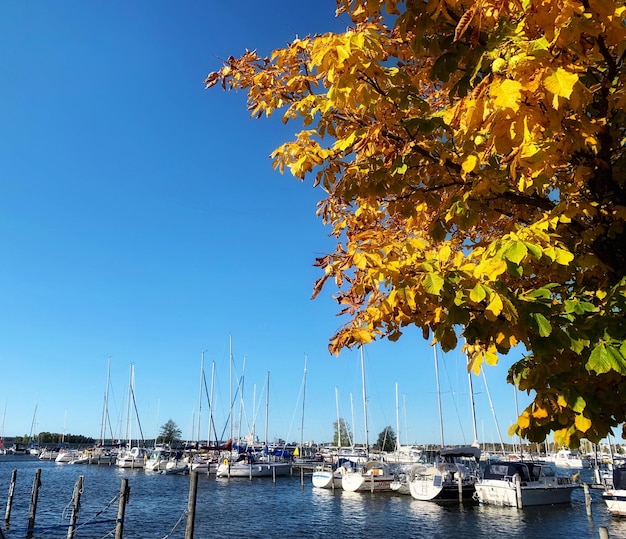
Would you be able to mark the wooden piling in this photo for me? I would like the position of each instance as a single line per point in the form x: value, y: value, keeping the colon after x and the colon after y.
x: 32, y: 511
x: 459, y: 480
x: 191, y: 505
x: 518, y: 491
x: 7, y: 513
x: 78, y: 490
x: 121, y: 509
x: 604, y: 532
x: 587, y: 499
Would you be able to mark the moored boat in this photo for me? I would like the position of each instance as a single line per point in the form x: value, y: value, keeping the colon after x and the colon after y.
x: 521, y: 484
x: 374, y: 476
x: 247, y: 465
x: 615, y: 495
x: 451, y: 475
x: 134, y: 458
x: 327, y: 475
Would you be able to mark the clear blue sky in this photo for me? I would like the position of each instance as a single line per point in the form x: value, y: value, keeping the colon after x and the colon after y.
x: 141, y: 221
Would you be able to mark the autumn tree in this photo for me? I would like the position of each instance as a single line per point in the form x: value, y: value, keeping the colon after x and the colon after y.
x: 471, y: 155
x: 342, y: 436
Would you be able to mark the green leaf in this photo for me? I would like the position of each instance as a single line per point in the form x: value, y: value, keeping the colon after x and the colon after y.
x: 604, y: 359
x: 578, y: 307
x: 516, y: 252
x: 545, y: 328
x: 433, y: 283
x: 478, y: 293
x: 535, y: 250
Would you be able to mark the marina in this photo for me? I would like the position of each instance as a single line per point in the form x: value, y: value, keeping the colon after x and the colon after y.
x: 262, y: 507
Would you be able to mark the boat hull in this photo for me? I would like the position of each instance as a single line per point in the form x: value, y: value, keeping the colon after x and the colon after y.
x: 326, y: 479
x: 256, y: 469
x: 615, y: 500
x: 504, y: 493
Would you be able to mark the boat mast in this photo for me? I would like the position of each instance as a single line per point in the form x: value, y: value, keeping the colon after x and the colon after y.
x: 129, y: 430
x: 337, y: 411
x: 200, y: 396
x: 521, y: 451
x: 105, y: 406
x: 397, y: 422
x: 230, y: 397
x: 34, y: 422
x: 352, y: 441
x: 438, y: 396
x: 473, y: 408
x: 267, y: 409
x: 493, y: 412
x: 367, y: 444
x: 211, y: 407
x: 306, y: 357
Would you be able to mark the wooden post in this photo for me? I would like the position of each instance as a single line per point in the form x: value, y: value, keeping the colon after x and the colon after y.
x: 78, y: 489
x: 7, y: 514
x: 191, y: 505
x: 121, y: 509
x: 587, y: 499
x: 518, y: 491
x: 274, y: 472
x: 372, y: 482
x: 604, y: 532
x: 301, y: 475
x: 32, y: 511
x: 460, y: 485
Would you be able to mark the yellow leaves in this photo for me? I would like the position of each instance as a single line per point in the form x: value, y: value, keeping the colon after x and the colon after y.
x: 470, y: 163
x: 506, y: 95
x: 495, y: 307
x: 582, y: 423
x: 362, y: 335
x: 359, y: 260
x: 490, y: 269
x: 560, y: 83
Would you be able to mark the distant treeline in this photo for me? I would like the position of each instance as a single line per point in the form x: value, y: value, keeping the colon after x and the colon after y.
x: 55, y: 438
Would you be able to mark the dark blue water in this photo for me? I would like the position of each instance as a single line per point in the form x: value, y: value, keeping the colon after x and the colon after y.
x: 263, y: 509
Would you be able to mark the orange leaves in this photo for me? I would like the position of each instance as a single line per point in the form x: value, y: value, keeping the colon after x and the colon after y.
x: 472, y: 166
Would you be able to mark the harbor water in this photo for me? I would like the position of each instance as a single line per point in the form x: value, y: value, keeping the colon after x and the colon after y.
x: 262, y: 508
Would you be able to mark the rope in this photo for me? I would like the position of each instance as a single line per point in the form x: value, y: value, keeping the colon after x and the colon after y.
x: 115, y: 498
x: 182, y: 516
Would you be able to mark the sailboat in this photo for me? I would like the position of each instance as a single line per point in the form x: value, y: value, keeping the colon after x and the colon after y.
x: 330, y: 474
x: 3, y: 450
x: 133, y: 456
x: 449, y: 473
x: 374, y: 476
x: 251, y: 464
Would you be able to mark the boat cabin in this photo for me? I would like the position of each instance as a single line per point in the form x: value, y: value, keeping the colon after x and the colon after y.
x: 527, y: 471
x: 619, y: 478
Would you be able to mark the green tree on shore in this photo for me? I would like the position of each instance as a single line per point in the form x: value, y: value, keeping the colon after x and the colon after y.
x: 386, y: 440
x: 170, y: 433
x: 342, y: 436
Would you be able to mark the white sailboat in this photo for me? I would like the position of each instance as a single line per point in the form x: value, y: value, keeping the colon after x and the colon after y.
x: 327, y: 474
x: 374, y: 476
x: 250, y: 464
x: 133, y: 456
x: 451, y: 472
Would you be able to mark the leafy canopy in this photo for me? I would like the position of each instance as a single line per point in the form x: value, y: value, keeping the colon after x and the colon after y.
x: 472, y: 158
